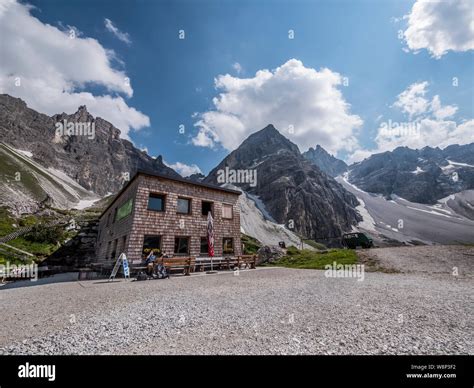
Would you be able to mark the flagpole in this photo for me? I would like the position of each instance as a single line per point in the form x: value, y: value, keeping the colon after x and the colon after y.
x: 210, y: 240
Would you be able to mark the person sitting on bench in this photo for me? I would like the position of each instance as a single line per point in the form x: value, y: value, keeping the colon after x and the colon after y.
x: 150, y: 262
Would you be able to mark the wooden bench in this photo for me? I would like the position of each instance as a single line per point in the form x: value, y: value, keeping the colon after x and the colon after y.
x: 212, y: 263
x: 249, y: 261
x: 185, y: 263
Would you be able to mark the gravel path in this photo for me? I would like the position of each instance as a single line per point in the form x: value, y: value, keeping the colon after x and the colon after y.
x: 263, y: 311
x: 428, y: 259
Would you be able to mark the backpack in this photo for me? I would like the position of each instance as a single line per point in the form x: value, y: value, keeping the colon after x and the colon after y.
x: 161, y: 271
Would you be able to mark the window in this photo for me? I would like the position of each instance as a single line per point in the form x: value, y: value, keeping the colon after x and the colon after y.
x: 124, y: 210
x: 206, y: 207
x: 114, y: 251
x: 108, y: 219
x: 151, y: 243
x: 109, y: 245
x: 184, y: 206
x: 156, y: 202
x: 226, y: 211
x: 115, y: 216
x: 227, y: 245
x: 124, y: 243
x: 204, y: 249
x: 181, y: 245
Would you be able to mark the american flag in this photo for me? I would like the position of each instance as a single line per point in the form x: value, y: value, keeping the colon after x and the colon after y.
x: 210, y: 234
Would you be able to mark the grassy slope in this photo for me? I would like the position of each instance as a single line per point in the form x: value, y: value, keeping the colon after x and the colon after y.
x: 306, y: 259
x: 251, y: 245
x: 6, y: 227
x: 40, y: 249
x: 315, y: 244
x: 11, y: 163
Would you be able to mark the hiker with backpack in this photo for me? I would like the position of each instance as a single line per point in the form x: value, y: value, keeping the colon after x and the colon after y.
x: 150, y: 262
x: 155, y: 267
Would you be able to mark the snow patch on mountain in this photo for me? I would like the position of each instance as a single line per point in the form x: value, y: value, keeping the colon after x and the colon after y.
x: 417, y: 171
x: 255, y: 223
x: 26, y: 153
x: 460, y: 164
x: 368, y: 223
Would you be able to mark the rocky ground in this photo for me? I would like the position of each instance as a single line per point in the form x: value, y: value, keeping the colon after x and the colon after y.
x: 263, y: 311
x: 429, y: 260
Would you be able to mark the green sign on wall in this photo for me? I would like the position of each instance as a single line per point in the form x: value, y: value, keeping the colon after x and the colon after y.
x: 124, y: 210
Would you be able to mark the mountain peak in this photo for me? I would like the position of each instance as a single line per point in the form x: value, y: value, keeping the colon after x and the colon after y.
x: 117, y: 155
x: 325, y: 161
x: 288, y: 183
x: 417, y: 175
x: 269, y: 127
x: 269, y: 130
x: 267, y: 141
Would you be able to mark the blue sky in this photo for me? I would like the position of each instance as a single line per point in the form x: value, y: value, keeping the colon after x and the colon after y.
x: 173, y: 79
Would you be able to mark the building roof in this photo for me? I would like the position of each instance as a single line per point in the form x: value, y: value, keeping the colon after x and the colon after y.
x: 176, y: 179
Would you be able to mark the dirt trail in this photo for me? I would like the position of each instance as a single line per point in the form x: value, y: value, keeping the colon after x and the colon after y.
x: 430, y: 259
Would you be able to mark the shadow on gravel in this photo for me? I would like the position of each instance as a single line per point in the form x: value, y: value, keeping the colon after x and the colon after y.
x: 59, y: 278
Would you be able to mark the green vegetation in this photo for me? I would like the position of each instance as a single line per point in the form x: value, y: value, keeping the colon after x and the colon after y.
x: 315, y: 245
x: 13, y: 163
x: 41, y: 249
x: 251, y: 245
x: 40, y: 242
x: 41, y: 234
x: 308, y: 259
x: 28, y: 221
x: 10, y: 165
x: 6, y: 222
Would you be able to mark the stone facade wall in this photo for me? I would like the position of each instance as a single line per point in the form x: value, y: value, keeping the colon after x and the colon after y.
x: 79, y: 251
x: 170, y: 224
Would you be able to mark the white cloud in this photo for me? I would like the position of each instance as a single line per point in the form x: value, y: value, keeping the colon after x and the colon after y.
x: 237, y: 67
x: 205, y: 136
x: 440, y: 26
x: 185, y: 169
x: 358, y: 155
x: 122, y: 36
x: 291, y: 96
x: 412, y: 100
x: 442, y: 112
x: 432, y: 132
x: 55, y: 70
x: 71, y: 30
x: 432, y: 124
